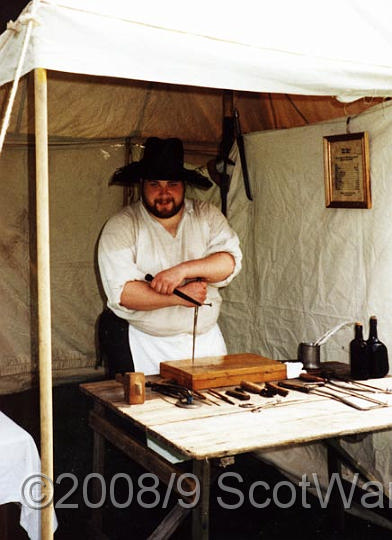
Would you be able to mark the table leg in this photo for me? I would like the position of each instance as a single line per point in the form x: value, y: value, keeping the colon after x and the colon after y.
x: 335, y: 505
x: 200, y: 514
x: 170, y: 523
x: 3, y: 521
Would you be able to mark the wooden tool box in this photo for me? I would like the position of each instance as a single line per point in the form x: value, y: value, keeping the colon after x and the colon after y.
x: 227, y: 370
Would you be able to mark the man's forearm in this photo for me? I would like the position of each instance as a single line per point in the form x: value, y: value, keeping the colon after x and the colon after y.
x: 138, y: 295
x: 213, y: 268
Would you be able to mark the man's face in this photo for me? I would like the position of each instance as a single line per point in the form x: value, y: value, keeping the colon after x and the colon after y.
x: 163, y: 198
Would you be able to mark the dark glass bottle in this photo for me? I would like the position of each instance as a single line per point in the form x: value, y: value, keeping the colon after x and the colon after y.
x: 359, y: 356
x: 378, y: 353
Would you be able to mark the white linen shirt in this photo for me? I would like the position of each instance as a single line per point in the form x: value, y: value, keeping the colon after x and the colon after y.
x: 133, y: 243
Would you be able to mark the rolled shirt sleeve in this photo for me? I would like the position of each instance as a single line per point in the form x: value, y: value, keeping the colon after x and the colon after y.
x: 116, y: 257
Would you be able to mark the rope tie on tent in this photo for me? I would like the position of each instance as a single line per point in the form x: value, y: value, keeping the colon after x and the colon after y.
x: 348, y: 125
x: 28, y: 19
x: 16, y: 26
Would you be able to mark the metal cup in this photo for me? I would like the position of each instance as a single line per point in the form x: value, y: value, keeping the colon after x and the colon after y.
x: 309, y: 355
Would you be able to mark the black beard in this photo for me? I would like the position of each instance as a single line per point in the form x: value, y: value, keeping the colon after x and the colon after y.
x: 162, y: 214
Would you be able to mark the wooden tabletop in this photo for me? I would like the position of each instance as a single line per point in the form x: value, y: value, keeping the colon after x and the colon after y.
x: 221, y: 430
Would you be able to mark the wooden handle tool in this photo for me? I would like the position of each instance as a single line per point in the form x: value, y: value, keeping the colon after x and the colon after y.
x: 276, y: 388
x: 252, y: 387
x: 295, y: 386
x: 243, y: 396
x: 220, y: 396
x: 312, y: 378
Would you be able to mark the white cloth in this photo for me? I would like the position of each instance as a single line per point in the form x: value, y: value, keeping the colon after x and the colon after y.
x: 19, y: 459
x: 149, y: 351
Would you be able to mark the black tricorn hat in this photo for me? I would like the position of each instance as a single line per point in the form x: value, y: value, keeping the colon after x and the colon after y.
x: 163, y: 159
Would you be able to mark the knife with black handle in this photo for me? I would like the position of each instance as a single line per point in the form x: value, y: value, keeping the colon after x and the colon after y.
x: 149, y: 278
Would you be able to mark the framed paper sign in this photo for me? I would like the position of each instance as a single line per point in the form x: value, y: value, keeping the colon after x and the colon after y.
x: 346, y: 169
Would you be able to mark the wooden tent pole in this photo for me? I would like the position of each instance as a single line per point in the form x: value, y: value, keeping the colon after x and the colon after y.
x: 44, y: 307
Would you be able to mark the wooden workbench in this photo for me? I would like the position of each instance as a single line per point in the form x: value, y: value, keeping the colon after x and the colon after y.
x: 166, y: 434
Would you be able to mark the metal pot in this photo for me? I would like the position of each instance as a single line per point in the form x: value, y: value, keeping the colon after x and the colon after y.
x: 309, y: 355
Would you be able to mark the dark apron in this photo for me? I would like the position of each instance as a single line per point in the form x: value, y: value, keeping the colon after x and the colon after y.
x: 113, y: 343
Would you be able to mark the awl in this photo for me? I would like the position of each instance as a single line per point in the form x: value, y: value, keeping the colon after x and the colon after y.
x: 194, y: 333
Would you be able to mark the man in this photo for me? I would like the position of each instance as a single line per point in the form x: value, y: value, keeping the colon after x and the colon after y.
x: 185, y: 244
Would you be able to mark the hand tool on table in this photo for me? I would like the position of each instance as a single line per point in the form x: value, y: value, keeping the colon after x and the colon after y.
x: 267, y: 389
x: 252, y: 387
x: 329, y: 373
x: 363, y: 387
x: 369, y: 387
x: 213, y: 401
x: 238, y: 394
x: 314, y: 388
x: 309, y: 377
x: 274, y: 388
x: 277, y: 403
x: 353, y: 393
x: 185, y: 397
x: 247, y: 405
x: 205, y: 399
x: 344, y: 385
x: 220, y: 396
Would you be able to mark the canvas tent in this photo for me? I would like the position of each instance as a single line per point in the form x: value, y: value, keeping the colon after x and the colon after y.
x: 239, y: 49
x: 111, y: 65
x: 106, y: 84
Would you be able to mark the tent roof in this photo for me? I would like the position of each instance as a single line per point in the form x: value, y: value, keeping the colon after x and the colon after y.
x: 283, y: 47
x: 87, y: 107
x: 185, y: 60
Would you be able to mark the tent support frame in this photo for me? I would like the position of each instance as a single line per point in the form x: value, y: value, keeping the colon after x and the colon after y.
x: 44, y: 302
